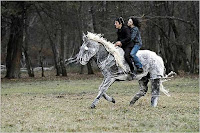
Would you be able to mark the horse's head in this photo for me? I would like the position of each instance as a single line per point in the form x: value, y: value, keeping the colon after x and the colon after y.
x: 88, y: 49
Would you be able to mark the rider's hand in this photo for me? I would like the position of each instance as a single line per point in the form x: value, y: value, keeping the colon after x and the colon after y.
x: 118, y: 43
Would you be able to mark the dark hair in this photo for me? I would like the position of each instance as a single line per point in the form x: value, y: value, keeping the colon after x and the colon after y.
x: 136, y: 22
x: 120, y: 20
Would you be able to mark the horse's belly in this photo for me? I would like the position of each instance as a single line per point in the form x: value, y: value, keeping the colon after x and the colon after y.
x: 139, y: 76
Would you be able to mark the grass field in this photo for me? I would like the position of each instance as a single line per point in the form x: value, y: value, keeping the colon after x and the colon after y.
x: 62, y: 105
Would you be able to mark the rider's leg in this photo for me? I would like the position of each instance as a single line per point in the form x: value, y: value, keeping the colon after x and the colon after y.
x: 128, y: 57
x: 155, y: 86
x: 135, y: 58
x: 143, y: 89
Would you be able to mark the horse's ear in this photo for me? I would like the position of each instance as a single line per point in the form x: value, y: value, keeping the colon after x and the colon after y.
x: 84, y: 37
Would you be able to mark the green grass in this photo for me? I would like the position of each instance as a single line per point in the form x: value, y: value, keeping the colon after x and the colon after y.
x: 62, y: 105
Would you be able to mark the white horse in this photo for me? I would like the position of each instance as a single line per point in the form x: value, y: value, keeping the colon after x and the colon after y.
x: 110, y: 60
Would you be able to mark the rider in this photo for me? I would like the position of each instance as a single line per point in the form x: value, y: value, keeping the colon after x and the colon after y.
x: 124, y: 40
x: 134, y: 25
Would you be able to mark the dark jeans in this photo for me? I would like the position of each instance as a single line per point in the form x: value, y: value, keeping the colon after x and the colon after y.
x: 135, y: 58
x: 127, y: 56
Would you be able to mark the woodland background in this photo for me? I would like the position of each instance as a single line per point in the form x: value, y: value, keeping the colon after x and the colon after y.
x: 45, y: 34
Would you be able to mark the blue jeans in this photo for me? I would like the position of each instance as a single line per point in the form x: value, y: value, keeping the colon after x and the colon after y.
x: 135, y: 58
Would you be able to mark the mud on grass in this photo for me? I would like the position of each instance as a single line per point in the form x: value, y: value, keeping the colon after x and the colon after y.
x: 63, y: 106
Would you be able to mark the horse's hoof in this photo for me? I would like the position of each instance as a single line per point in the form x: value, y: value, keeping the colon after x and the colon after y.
x: 113, y: 100
x: 154, y: 101
x: 92, y: 106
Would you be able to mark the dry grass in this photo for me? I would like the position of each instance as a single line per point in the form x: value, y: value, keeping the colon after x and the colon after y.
x: 62, y: 105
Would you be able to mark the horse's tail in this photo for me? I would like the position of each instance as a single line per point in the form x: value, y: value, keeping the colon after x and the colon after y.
x: 164, y: 79
x: 162, y: 88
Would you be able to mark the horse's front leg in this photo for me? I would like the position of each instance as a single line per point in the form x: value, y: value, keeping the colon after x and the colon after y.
x: 108, y: 98
x: 102, y: 89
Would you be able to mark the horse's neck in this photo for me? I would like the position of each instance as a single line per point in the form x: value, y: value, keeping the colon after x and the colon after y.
x: 101, y: 55
x: 106, y: 61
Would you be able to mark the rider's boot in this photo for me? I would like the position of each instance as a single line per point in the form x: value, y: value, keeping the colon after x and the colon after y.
x: 139, y: 70
x: 132, y: 73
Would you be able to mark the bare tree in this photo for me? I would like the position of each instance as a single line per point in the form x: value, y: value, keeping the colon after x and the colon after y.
x: 14, y: 47
x: 62, y: 39
x: 52, y: 43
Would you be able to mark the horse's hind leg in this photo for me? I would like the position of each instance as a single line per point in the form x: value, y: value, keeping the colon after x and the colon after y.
x: 143, y: 89
x: 155, y: 85
x: 102, y: 89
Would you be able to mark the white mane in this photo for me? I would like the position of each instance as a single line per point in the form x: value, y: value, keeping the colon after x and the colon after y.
x: 110, y: 47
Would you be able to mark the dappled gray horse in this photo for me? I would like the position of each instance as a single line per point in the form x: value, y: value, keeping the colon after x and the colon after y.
x: 152, y: 64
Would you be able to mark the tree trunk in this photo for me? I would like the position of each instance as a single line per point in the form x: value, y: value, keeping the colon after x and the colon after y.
x: 41, y: 61
x: 93, y: 28
x: 27, y: 59
x: 62, y: 57
x: 173, y: 59
x: 80, y: 30
x: 41, y: 58
x: 62, y: 41
x: 56, y: 57
x: 194, y: 35
x: 14, y: 48
x: 28, y: 64
x: 93, y: 18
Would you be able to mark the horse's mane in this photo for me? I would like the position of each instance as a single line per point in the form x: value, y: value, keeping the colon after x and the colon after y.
x: 110, y: 47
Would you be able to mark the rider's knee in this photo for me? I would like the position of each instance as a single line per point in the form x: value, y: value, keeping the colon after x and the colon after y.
x: 133, y: 55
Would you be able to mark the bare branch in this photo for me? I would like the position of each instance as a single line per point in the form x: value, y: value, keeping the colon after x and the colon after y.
x: 167, y: 17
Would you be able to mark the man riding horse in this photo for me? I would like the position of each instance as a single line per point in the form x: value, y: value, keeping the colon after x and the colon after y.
x: 110, y: 60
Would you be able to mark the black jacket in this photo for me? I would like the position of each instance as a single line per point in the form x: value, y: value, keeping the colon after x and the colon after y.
x: 124, y: 36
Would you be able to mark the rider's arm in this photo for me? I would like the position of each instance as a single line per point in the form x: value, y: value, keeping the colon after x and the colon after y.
x: 133, y: 34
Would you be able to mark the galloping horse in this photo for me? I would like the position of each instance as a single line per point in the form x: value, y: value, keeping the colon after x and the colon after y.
x: 111, y: 62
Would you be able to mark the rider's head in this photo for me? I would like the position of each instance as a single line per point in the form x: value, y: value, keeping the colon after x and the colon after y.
x: 119, y: 22
x: 133, y: 21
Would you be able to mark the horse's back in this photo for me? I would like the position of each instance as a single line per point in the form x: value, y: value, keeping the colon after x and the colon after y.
x: 152, y: 63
